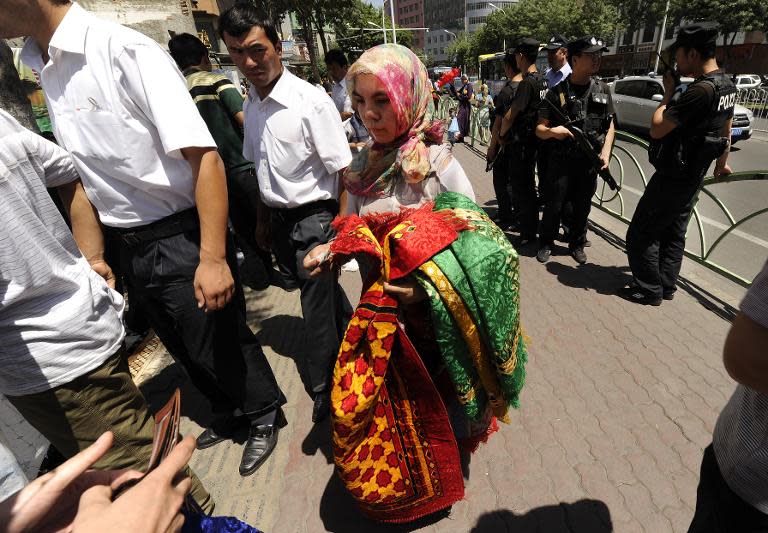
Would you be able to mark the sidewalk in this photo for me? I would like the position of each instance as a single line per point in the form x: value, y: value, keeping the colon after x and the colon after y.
x: 620, y: 401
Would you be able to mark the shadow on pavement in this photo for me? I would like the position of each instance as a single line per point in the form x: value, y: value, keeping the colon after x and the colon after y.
x: 599, y: 278
x: 583, y: 516
x: 339, y: 514
x: 708, y: 300
x: 319, y: 439
x: 285, y: 334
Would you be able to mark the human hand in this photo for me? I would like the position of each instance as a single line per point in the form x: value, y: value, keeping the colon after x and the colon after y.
x: 213, y: 284
x: 561, y: 133
x: 317, y: 261
x: 722, y: 170
x: 669, y: 82
x: 407, y: 291
x: 105, y: 271
x: 153, y: 504
x: 606, y: 159
x: 50, y: 502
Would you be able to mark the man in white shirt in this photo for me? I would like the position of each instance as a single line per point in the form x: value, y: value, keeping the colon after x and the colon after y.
x: 337, y: 65
x: 557, y: 56
x: 294, y: 136
x: 121, y: 108
x: 62, y: 363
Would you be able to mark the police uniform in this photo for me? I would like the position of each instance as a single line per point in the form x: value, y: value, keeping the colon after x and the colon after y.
x: 523, y: 145
x: 507, y: 205
x: 570, y: 175
x: 656, y: 235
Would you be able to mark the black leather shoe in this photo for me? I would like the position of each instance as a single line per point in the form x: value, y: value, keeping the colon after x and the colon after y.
x: 221, y: 429
x: 322, y: 407
x: 258, y: 447
x: 669, y: 295
x: 544, y: 253
x: 579, y: 255
x: 209, y: 438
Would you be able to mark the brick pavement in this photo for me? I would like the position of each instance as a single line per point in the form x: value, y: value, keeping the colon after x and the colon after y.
x: 619, y: 403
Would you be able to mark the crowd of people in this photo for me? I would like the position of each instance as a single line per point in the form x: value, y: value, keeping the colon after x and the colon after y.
x: 164, y: 158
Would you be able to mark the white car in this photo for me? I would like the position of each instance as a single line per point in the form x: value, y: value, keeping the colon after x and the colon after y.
x: 748, y: 81
x: 635, y: 98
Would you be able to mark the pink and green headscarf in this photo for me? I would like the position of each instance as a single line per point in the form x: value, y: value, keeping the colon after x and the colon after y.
x: 376, y: 168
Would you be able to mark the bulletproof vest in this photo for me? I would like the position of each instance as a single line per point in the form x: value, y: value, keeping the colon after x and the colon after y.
x: 694, y: 146
x: 590, y: 113
x: 524, y: 128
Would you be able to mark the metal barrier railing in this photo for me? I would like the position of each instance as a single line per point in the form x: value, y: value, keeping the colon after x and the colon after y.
x: 614, y: 203
x: 756, y: 100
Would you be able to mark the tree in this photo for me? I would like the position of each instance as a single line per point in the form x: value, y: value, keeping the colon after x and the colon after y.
x: 462, y: 52
x: 733, y: 15
x: 541, y: 18
x: 13, y: 99
x: 358, y: 15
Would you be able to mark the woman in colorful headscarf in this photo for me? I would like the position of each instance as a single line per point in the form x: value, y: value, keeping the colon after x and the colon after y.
x: 434, y: 352
x: 464, y: 94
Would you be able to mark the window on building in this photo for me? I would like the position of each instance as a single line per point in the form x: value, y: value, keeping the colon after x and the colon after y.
x: 670, y: 33
x: 627, y: 37
x: 649, y: 31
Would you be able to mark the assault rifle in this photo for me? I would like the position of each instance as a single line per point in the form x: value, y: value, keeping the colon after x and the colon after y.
x: 586, y: 148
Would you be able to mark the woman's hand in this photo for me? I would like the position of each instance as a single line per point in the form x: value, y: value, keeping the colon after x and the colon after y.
x: 407, y: 291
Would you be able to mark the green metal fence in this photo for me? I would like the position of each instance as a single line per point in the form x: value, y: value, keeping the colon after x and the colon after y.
x: 614, y: 203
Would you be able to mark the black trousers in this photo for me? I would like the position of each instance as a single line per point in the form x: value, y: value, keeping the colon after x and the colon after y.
x: 718, y: 508
x: 219, y: 351
x: 571, y: 182
x: 522, y: 180
x: 656, y: 235
x: 501, y: 187
x: 324, y: 305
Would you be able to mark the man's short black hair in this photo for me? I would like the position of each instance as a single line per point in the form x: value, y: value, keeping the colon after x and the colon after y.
x: 59, y: 2
x: 337, y: 57
x: 240, y: 18
x: 187, y: 50
x: 706, y: 51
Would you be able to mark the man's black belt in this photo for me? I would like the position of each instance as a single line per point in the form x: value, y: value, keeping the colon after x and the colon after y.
x: 295, y: 214
x: 169, y: 226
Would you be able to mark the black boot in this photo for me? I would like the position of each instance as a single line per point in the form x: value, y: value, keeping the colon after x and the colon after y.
x: 220, y: 430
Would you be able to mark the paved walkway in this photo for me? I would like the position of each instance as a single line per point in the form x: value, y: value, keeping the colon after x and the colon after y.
x: 620, y: 401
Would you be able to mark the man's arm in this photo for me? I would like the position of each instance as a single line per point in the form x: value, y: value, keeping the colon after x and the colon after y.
x: 521, y: 101
x: 721, y: 165
x: 605, y: 153
x: 744, y: 353
x: 86, y: 228
x: 213, y: 283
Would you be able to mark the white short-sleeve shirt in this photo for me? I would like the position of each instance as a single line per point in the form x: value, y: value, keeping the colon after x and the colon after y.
x: 121, y: 108
x: 58, y: 318
x: 296, y: 140
x: 340, y: 97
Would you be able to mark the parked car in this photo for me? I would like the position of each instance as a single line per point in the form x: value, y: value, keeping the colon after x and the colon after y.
x: 635, y: 98
x: 748, y: 81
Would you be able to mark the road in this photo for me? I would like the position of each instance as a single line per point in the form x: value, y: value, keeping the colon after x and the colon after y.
x: 744, y: 251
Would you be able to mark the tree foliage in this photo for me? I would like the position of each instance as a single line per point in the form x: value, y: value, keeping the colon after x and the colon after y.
x: 733, y: 15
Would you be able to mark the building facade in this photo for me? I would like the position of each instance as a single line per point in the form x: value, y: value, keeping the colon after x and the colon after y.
x: 408, y: 14
x: 436, y: 45
x: 477, y: 12
x: 158, y: 19
x: 444, y: 14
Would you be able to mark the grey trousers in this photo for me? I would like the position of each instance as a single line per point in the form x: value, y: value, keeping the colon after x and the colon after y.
x: 324, y: 305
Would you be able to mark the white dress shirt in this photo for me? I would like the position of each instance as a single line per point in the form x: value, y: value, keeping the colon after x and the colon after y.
x: 340, y: 96
x: 120, y: 107
x: 297, y: 143
x: 58, y: 318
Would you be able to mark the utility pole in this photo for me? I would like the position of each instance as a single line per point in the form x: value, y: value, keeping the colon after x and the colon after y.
x: 392, y: 14
x: 661, y: 37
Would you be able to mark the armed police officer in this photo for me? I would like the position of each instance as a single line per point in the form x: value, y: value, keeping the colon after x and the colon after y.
x: 498, y: 156
x: 583, y: 102
x: 518, y: 127
x: 690, y: 130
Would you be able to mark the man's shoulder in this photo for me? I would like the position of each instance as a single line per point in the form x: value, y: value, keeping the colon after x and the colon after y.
x: 306, y: 95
